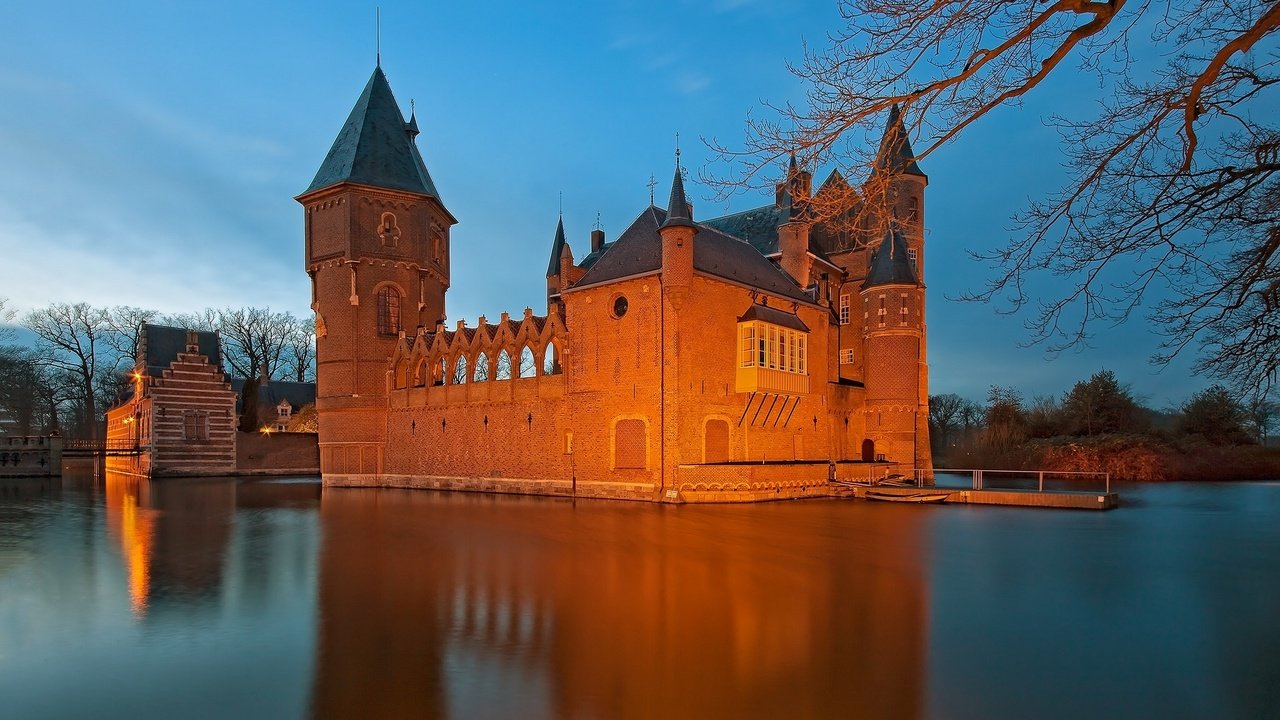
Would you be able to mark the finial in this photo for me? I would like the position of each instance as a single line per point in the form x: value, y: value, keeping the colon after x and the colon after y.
x: 561, y: 203
x: 377, y: 35
x: 598, y: 225
x: 653, y: 183
x: 677, y: 148
x: 413, y: 108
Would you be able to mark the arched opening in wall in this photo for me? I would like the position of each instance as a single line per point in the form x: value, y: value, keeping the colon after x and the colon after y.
x: 402, y: 375
x: 459, y: 370
x: 420, y: 373
x: 503, y: 369
x: 388, y: 311
x: 868, y: 450
x: 438, y: 370
x: 629, y: 444
x: 551, y: 360
x: 715, y: 441
x: 481, y: 372
x: 528, y: 365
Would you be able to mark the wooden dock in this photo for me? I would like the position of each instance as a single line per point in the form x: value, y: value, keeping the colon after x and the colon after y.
x: 1066, y: 499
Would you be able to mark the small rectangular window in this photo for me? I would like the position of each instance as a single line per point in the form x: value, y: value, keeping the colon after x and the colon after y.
x: 846, y: 356
x: 844, y: 309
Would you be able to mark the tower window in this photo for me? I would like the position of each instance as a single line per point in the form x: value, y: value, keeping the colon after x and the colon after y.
x: 388, y: 230
x: 913, y: 209
x: 388, y: 311
x: 844, y: 309
x: 911, y: 254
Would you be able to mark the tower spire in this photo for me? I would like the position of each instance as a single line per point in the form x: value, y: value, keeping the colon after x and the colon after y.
x: 377, y: 36
x: 678, y: 211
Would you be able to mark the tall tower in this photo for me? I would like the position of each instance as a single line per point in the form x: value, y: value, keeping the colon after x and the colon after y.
x: 677, y: 234
x: 377, y: 251
x: 893, y: 331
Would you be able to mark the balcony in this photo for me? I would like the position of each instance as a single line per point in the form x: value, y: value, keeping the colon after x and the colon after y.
x: 758, y: 379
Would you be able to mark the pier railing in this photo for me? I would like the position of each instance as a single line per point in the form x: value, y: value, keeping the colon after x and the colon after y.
x: 1026, y: 480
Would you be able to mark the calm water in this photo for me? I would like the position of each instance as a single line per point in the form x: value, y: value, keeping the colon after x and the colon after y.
x: 131, y: 599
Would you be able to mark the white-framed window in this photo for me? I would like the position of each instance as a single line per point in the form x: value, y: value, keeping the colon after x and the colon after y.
x: 844, y: 309
x: 764, y: 345
x: 911, y: 254
x: 846, y: 356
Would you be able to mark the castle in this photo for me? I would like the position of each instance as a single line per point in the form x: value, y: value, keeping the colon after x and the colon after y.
x: 749, y: 357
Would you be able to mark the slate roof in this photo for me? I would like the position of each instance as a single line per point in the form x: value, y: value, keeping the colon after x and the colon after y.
x: 895, y: 155
x: 297, y: 393
x: 375, y: 146
x: 160, y: 345
x: 638, y: 250
x: 557, y: 248
x: 773, y: 316
x: 891, y: 264
x: 678, y: 211
x: 757, y: 226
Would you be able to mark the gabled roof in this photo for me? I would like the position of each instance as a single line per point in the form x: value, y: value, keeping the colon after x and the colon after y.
x: 160, y: 345
x: 557, y: 248
x: 638, y: 250
x: 891, y: 264
x: 375, y: 146
x: 895, y: 156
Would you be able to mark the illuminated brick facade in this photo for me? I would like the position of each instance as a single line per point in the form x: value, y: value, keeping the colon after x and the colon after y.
x: 683, y: 361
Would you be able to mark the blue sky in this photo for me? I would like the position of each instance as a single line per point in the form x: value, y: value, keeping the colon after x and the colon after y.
x: 151, y: 152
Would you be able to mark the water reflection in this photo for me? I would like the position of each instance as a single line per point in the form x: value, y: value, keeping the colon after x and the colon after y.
x: 441, y: 605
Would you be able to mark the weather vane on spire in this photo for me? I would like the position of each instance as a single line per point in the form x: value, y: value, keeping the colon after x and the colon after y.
x: 377, y: 35
x: 653, y: 183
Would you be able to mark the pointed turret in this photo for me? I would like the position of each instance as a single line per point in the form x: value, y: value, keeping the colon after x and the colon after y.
x: 412, y: 126
x: 376, y: 146
x: 891, y: 265
x: 557, y: 249
x: 679, y: 214
x: 895, y: 156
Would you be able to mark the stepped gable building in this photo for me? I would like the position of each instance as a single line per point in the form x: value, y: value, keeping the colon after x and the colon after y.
x: 747, y: 357
x: 181, y: 409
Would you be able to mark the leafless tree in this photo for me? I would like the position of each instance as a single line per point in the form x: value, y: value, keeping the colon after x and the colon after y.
x: 125, y: 323
x: 300, y: 349
x: 1172, y: 187
x: 71, y: 339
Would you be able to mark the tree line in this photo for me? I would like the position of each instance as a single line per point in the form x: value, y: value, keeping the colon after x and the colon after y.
x: 76, y: 358
x: 1096, y: 419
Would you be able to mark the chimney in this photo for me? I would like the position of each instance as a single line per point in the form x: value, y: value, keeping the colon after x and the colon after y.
x: 597, y: 240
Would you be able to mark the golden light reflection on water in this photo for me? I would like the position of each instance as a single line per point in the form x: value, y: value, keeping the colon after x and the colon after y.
x: 133, y: 529
x: 437, y: 605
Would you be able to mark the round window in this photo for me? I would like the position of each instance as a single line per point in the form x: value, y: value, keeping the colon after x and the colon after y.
x: 619, y: 306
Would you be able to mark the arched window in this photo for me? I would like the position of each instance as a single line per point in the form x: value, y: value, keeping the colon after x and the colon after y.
x: 388, y: 311
x: 503, y: 371
x: 438, y: 371
x: 528, y: 365
x: 460, y: 370
x: 481, y: 372
x: 550, y: 361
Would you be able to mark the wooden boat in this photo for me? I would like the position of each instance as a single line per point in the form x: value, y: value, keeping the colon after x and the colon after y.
x: 917, y: 497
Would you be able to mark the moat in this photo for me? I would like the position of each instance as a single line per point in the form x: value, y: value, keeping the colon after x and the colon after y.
x: 126, y: 598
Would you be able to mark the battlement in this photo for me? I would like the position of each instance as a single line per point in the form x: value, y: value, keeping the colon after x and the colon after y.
x: 509, y: 350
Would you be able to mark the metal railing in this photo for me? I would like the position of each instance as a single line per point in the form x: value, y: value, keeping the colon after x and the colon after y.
x: 100, y: 446
x: 979, y: 478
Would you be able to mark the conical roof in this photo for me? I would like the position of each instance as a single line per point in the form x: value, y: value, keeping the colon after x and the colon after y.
x: 678, y: 212
x: 375, y: 146
x: 557, y: 249
x: 891, y: 265
x: 895, y: 156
